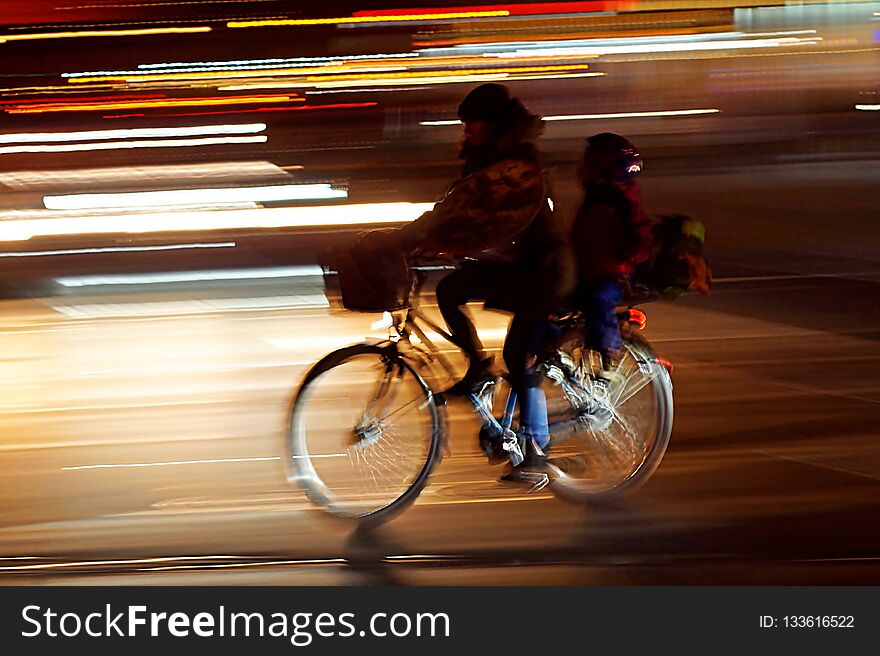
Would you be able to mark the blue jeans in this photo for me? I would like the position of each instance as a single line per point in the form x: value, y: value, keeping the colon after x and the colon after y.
x: 526, y: 336
x: 598, y: 301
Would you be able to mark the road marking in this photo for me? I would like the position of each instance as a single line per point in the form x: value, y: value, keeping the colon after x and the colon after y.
x: 168, y: 463
x: 795, y: 276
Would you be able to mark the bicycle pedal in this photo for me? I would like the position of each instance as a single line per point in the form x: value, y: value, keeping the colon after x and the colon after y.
x: 511, y: 444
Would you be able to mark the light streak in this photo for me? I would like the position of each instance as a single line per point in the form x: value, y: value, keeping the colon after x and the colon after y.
x: 425, y: 77
x: 194, y: 221
x: 82, y: 563
x: 270, y: 109
x: 95, y: 135
x: 194, y: 196
x: 204, y: 306
x: 674, y: 112
x: 167, y: 277
x: 306, y: 60
x: 214, y: 75
x: 585, y: 117
x: 187, y: 102
x: 120, y: 249
x: 653, y: 48
x: 121, y: 145
x: 359, y: 20
x: 169, y: 463
x: 157, y: 173
x: 458, y: 73
x: 367, y: 83
x: 519, y: 9
x: 103, y: 33
x: 868, y: 108
x: 482, y: 49
x: 139, y: 96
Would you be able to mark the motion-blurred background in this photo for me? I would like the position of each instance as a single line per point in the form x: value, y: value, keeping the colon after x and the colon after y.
x: 170, y: 171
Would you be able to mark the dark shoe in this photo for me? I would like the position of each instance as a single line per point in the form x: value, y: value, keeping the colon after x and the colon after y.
x: 475, y: 380
x: 492, y: 447
x: 532, y: 471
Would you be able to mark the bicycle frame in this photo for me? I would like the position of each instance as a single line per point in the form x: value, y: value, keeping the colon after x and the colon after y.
x: 405, y: 323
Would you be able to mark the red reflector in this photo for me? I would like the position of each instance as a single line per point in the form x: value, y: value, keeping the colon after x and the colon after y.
x: 666, y: 364
x: 638, y: 318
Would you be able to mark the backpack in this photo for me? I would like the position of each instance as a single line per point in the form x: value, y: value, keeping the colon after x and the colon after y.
x: 677, y: 263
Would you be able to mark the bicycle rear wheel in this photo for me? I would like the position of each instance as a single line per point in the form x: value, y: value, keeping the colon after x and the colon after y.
x: 606, y: 457
x: 365, y: 433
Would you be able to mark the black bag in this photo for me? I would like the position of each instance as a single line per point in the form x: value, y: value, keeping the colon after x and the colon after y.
x: 370, y: 276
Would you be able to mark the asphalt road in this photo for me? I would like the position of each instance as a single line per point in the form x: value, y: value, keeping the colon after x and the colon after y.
x: 772, y: 475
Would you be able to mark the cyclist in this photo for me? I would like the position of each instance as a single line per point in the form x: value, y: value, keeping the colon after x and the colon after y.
x: 526, y: 273
x: 611, y: 235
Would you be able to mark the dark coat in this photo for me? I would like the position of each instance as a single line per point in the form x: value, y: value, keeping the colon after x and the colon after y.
x: 611, y: 234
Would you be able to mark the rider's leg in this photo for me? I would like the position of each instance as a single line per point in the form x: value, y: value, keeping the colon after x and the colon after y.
x: 454, y: 292
x: 599, y: 304
x: 524, y: 338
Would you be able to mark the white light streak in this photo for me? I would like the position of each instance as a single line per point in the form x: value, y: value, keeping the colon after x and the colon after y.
x: 125, y: 145
x: 274, y: 217
x: 587, y: 117
x: 674, y: 112
x: 194, y: 197
x: 191, y: 307
x: 166, y: 277
x: 120, y: 249
x: 215, y: 172
x: 98, y: 135
x: 83, y: 563
x: 230, y: 68
x: 868, y: 108
x: 598, y: 51
x: 567, y: 45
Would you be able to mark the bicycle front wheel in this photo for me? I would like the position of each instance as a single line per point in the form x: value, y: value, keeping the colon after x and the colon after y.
x: 365, y: 433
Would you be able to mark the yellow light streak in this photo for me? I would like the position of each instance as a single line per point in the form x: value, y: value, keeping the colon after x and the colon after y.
x: 416, y: 75
x: 356, y: 20
x: 213, y: 75
x: 103, y: 33
x: 371, y: 83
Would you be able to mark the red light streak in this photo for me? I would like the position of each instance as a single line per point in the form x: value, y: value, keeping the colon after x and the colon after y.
x: 138, y: 104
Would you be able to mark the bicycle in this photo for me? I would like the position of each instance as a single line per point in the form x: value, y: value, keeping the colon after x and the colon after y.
x: 369, y: 459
